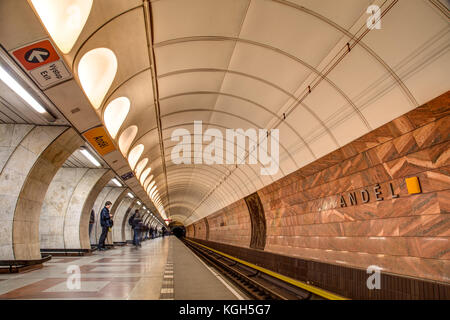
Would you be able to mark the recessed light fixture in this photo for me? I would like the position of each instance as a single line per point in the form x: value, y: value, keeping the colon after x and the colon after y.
x: 116, y: 182
x: 17, y: 88
x: 130, y: 195
x: 90, y: 157
x: 139, y: 203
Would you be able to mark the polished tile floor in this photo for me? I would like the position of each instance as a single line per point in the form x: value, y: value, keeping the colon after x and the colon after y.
x: 163, y: 268
x: 120, y: 273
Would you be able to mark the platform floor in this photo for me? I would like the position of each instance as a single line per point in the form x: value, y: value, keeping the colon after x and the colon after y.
x: 162, y: 268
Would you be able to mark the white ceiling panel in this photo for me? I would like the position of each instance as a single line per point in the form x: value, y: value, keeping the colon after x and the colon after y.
x: 180, y: 18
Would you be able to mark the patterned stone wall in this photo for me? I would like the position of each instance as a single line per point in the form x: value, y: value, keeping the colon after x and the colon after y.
x: 405, y: 235
x: 120, y: 219
x: 64, y: 220
x: 29, y: 158
x: 230, y: 225
x: 54, y: 208
x: 190, y: 231
x: 200, y: 229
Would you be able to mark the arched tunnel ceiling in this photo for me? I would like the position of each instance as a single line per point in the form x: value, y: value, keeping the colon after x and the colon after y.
x: 247, y: 63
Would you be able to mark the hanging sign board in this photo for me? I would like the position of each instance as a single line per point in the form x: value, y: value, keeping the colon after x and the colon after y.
x: 99, y: 139
x: 127, y: 176
x: 42, y: 63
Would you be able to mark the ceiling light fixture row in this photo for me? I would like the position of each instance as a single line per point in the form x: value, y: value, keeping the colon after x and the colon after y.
x: 97, y: 68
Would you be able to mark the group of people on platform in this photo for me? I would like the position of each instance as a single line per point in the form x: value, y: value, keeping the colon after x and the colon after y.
x: 140, y: 230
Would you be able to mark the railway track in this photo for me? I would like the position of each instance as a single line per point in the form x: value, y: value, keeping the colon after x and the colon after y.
x: 256, y: 284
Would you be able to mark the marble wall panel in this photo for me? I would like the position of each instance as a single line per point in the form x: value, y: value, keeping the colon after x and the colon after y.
x: 34, y: 154
x: 405, y: 235
x: 119, y: 218
x: 54, y: 209
x: 73, y: 216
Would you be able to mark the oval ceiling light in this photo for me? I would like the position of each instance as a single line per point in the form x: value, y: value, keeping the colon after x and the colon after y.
x: 96, y: 71
x: 134, y: 155
x: 140, y: 166
x: 152, y: 190
x: 147, y: 181
x: 126, y: 138
x: 115, y: 114
x: 145, y: 174
x: 150, y: 186
x: 63, y: 19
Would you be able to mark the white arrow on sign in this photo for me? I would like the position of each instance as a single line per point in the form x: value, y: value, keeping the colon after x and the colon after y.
x: 38, y: 55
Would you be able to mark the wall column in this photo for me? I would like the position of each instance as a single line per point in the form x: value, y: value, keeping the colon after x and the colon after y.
x: 30, y: 156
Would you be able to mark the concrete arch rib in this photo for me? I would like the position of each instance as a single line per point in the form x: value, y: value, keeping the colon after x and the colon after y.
x: 205, y: 180
x: 120, y: 219
x: 76, y: 219
x: 232, y: 114
x: 26, y: 171
x: 114, y: 195
x: 268, y: 47
x: 243, y: 74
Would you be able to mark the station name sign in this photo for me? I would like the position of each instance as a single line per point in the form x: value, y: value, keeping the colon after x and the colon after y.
x: 364, y: 195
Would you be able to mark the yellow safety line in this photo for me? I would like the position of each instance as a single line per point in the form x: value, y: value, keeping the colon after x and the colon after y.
x: 320, y: 292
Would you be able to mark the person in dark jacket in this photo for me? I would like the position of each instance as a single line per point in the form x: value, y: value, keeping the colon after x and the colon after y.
x: 91, y: 221
x: 151, y: 233
x: 106, y: 223
x: 137, y: 222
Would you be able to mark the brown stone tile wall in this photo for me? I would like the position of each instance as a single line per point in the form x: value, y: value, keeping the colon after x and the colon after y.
x: 190, y: 231
x: 200, y: 229
x: 408, y: 235
x: 231, y: 225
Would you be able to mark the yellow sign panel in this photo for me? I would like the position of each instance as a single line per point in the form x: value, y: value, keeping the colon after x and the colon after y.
x: 413, y: 185
x: 100, y: 140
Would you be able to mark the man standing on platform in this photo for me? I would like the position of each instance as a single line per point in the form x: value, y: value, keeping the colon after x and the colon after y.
x: 137, y: 222
x: 106, y: 223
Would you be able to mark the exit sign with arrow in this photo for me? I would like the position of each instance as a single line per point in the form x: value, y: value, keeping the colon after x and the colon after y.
x: 42, y: 63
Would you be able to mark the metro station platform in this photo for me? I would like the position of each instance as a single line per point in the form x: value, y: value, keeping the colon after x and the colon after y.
x: 163, y: 268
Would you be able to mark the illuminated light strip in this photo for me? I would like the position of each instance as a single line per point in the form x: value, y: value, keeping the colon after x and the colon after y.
x: 320, y: 292
x: 116, y: 182
x: 130, y: 195
x: 90, y: 157
x: 18, y: 89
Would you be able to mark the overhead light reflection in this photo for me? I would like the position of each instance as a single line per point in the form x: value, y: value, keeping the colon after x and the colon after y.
x: 90, y: 157
x: 17, y: 88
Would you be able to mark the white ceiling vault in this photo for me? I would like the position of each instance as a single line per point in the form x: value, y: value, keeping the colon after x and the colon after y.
x: 248, y: 64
